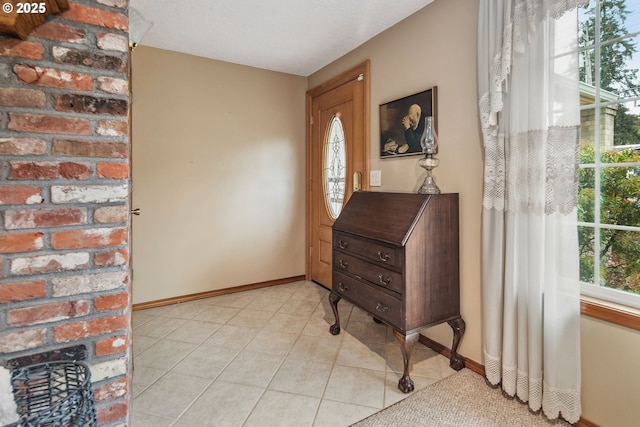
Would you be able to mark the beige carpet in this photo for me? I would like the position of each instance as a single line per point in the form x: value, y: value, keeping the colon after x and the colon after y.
x: 463, y: 399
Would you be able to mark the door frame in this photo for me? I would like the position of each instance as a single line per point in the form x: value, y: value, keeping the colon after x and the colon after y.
x: 349, y: 75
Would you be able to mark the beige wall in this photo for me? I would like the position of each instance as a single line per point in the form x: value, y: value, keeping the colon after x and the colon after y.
x: 218, y: 172
x: 438, y: 46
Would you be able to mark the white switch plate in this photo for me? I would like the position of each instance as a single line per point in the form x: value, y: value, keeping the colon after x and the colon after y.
x: 375, y: 178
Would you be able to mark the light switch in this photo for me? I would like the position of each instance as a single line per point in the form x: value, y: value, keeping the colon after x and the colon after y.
x: 375, y: 178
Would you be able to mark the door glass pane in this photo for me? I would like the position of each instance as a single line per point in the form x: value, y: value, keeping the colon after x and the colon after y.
x: 335, y: 167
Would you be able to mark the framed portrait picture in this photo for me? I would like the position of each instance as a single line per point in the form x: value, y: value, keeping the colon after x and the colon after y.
x: 402, y: 123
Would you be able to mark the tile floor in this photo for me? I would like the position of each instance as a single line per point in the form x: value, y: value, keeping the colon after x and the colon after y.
x: 265, y: 357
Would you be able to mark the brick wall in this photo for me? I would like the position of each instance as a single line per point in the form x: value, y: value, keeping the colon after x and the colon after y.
x: 64, y: 183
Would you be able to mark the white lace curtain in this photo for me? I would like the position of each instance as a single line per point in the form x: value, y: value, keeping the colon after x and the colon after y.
x: 529, y: 110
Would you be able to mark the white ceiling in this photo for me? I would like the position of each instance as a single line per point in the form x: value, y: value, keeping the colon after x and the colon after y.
x: 291, y: 36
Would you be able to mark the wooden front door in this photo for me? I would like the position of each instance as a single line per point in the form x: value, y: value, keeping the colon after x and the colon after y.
x: 338, y: 114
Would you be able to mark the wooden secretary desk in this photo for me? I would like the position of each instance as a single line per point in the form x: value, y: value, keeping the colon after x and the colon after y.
x: 396, y: 256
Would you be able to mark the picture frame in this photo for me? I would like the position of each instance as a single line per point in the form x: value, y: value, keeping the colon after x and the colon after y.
x: 401, y: 123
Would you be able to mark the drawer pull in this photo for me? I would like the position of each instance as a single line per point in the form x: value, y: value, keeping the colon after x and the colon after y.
x: 384, y: 281
x: 343, y: 244
x: 343, y: 264
x: 384, y: 257
x: 382, y: 308
x: 342, y: 287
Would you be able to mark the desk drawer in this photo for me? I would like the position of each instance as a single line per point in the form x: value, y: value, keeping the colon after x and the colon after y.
x: 377, y: 303
x: 371, y: 272
x: 374, y: 251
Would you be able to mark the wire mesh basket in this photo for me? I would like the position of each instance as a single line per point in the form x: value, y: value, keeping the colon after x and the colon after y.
x: 54, y: 394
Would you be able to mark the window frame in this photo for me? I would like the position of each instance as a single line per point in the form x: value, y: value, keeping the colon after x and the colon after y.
x: 612, y: 305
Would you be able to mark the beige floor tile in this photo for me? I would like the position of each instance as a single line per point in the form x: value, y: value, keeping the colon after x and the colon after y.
x: 299, y: 307
x: 358, y: 386
x: 367, y: 330
x: 237, y: 300
x: 159, y: 327
x: 194, y: 331
x: 170, y: 395
x: 319, y: 349
x: 340, y: 414
x: 267, y: 303
x: 251, y: 368
x: 140, y: 419
x: 232, y: 336
x: 361, y: 354
x: 272, y: 342
x: 141, y: 343
x: 283, y: 410
x: 302, y: 377
x: 217, y: 314
x: 221, y: 405
x: 143, y: 377
x: 185, y: 310
x: 140, y: 317
x: 251, y: 318
x: 265, y: 357
x: 205, y: 361
x: 318, y: 326
x: 283, y: 322
x: 164, y: 354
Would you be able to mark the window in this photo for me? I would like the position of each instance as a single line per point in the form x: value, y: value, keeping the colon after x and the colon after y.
x: 609, y: 187
x: 335, y: 167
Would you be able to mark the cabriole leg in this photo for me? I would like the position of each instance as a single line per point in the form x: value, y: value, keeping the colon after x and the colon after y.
x: 334, y: 299
x: 406, y: 343
x: 456, y: 362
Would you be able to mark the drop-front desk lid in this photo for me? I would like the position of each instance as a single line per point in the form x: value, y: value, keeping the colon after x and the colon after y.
x: 388, y: 217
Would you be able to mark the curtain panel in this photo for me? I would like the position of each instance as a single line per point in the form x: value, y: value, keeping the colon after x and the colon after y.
x: 529, y: 111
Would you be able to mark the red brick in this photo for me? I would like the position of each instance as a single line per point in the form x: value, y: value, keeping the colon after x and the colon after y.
x: 111, y: 258
x: 64, y: 147
x: 112, y: 345
x: 78, y: 330
x: 19, y: 195
x: 23, y: 49
x: 23, y: 242
x: 72, y: 239
x: 22, y: 340
x: 72, y: 170
x: 111, y: 390
x: 25, y: 98
x: 95, y: 16
x: 85, y: 58
x: 111, y: 302
x: 122, y: 4
x: 14, y: 292
x: 47, y: 313
x: 52, y: 77
x: 34, y: 170
x: 113, y: 170
x: 32, y: 218
x: 57, y: 31
x: 113, y: 85
x: 49, y: 124
x: 111, y: 41
x: 90, y: 104
x: 111, y: 413
x: 40, y: 264
x: 22, y: 146
x: 110, y: 214
x: 112, y: 128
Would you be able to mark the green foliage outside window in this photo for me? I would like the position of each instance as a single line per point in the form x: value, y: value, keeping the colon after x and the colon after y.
x: 618, y: 250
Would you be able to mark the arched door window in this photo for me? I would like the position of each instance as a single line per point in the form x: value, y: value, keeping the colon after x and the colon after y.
x: 334, y: 170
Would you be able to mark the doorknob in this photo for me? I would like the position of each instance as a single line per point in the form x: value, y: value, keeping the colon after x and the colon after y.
x: 135, y: 211
x: 357, y: 176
